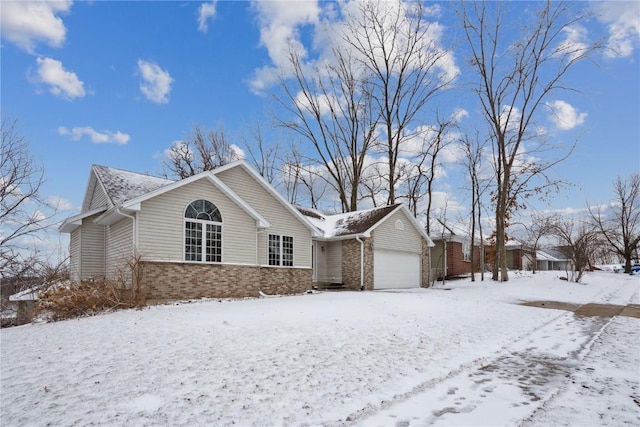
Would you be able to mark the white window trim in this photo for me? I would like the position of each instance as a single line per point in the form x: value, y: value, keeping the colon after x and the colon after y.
x: 204, y: 246
x: 281, y: 251
x: 204, y: 223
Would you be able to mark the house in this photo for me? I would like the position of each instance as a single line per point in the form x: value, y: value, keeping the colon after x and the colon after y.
x: 552, y: 259
x: 229, y: 233
x: 451, y: 254
x: 519, y: 257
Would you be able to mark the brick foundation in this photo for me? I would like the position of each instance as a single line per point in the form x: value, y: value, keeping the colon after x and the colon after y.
x: 173, y: 281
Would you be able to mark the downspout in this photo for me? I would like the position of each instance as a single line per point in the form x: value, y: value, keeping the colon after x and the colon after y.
x: 134, y: 226
x: 361, y: 262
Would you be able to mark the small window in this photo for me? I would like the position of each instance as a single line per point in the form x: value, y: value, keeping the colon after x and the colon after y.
x: 399, y: 225
x: 280, y: 250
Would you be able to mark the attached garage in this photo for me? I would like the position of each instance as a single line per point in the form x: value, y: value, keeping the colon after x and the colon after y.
x: 396, y: 270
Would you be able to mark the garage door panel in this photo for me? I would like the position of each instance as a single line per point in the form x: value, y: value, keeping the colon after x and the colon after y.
x: 396, y: 270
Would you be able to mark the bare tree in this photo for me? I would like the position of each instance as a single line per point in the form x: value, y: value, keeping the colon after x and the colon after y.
x: 265, y: 158
x: 515, y: 77
x: 420, y: 172
x: 579, y: 242
x: 330, y: 106
x: 302, y: 180
x: 620, y: 224
x: 539, y: 227
x: 198, y: 152
x: 473, y: 148
x: 394, y: 43
x: 24, y: 210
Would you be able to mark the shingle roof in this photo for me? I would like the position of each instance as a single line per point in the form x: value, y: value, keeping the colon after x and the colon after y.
x: 123, y: 185
x: 347, y: 224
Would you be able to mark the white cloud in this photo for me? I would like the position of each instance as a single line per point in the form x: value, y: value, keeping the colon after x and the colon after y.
x: 26, y: 23
x: 156, y: 82
x: 564, y: 115
x: 574, y: 44
x: 237, y: 152
x: 206, y: 12
x: 63, y: 83
x: 60, y: 203
x: 103, y: 137
x: 623, y: 24
x: 279, y: 23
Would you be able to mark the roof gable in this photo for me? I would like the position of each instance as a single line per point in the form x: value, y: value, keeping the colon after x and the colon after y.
x: 134, y: 203
x: 357, y: 223
x: 268, y: 189
x: 121, y: 186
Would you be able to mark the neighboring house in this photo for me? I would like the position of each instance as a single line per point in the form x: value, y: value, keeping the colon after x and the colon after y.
x: 451, y: 254
x: 552, y: 259
x: 518, y: 256
x: 225, y: 233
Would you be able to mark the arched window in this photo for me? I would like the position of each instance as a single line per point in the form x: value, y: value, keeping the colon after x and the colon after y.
x: 202, y: 232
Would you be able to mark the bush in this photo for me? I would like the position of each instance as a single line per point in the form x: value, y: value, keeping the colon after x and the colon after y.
x: 67, y: 300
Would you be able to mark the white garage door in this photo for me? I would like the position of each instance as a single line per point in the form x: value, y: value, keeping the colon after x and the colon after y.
x: 395, y: 270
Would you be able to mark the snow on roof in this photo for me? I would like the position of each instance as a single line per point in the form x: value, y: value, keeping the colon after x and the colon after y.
x: 30, y: 294
x: 551, y: 254
x: 453, y: 230
x: 346, y: 224
x: 123, y: 185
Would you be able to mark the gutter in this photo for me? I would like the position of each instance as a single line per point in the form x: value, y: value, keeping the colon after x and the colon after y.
x: 361, y: 262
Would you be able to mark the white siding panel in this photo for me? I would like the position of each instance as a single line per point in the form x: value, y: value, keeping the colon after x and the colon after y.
x: 390, y: 237
x: 119, y: 248
x: 98, y: 198
x: 161, y: 225
x: 320, y: 273
x: 282, y: 221
x: 92, y: 249
x: 74, y: 254
x: 334, y: 261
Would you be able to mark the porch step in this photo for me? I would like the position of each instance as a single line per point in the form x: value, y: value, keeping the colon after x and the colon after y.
x: 329, y: 286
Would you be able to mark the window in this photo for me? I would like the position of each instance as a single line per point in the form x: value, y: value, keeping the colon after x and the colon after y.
x: 280, y: 250
x: 202, y: 232
x: 466, y: 251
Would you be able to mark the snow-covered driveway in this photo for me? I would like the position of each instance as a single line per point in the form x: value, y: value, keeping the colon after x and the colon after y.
x: 469, y: 355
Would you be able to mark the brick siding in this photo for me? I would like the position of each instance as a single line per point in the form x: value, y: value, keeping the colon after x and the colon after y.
x: 172, y: 281
x: 351, y: 264
x: 426, y: 269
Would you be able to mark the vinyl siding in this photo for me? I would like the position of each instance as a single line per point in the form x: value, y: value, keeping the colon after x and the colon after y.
x: 282, y: 221
x: 119, y: 237
x: 161, y: 225
x: 74, y: 254
x: 98, y: 198
x: 387, y: 237
x: 92, y: 249
x: 334, y: 261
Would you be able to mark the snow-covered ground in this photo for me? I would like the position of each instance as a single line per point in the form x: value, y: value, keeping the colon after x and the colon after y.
x: 467, y: 354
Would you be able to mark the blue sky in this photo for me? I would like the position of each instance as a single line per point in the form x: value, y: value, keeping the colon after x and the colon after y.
x: 117, y: 83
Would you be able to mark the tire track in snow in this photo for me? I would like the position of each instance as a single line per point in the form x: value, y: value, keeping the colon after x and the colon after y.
x: 523, y: 376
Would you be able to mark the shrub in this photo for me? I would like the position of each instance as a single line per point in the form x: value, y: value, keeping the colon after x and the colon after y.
x: 68, y: 300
